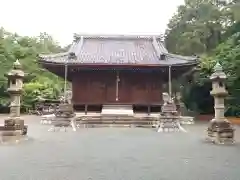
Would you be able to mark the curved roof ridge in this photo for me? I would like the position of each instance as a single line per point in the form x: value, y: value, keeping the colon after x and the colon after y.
x: 116, y: 36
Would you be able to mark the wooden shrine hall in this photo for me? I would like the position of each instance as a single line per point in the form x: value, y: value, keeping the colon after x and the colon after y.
x: 117, y: 71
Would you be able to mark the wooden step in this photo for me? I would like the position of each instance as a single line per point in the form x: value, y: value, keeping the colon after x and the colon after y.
x: 117, y: 110
x: 114, y: 106
x: 114, y: 125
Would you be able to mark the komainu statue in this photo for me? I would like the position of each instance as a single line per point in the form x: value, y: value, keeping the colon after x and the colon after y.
x: 69, y: 97
x: 166, y: 98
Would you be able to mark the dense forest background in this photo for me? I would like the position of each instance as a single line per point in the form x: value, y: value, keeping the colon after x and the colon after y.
x: 209, y: 29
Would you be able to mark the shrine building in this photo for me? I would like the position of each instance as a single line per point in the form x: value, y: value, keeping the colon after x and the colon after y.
x: 117, y: 70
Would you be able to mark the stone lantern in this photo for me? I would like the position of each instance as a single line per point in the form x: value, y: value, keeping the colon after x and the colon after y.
x: 220, y: 129
x: 14, y: 125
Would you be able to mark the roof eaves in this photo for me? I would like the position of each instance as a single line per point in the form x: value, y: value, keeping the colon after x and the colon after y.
x: 46, y: 56
x: 187, y: 58
x: 120, y: 64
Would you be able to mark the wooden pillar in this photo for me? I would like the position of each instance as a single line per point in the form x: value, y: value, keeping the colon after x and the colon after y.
x: 117, y: 85
x: 86, y: 109
x: 170, y: 81
x: 149, y: 91
x: 65, y: 81
x: 149, y: 109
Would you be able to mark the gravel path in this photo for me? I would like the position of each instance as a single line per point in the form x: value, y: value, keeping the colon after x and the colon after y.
x: 118, y: 154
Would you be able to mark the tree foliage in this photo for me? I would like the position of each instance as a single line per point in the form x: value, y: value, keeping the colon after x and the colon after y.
x: 211, y: 30
x: 38, y: 82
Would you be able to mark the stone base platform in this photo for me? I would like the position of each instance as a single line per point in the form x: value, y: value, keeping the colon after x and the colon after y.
x: 220, y: 132
x: 116, y: 120
x: 13, y: 131
x: 11, y: 134
x: 186, y: 120
x: 170, y: 124
x: 62, y: 123
x: 47, y: 119
x: 12, y: 139
x: 13, y: 126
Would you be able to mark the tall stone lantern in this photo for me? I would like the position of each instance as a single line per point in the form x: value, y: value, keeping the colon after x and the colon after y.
x: 14, y: 123
x: 220, y: 129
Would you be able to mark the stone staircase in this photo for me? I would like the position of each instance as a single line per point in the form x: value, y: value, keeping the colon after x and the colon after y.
x: 115, y: 116
x: 114, y: 121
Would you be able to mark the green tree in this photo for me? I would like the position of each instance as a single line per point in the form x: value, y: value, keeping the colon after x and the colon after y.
x: 38, y: 82
x: 197, y: 27
x: 210, y: 29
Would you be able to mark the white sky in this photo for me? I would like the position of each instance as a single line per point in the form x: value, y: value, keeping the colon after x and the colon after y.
x: 62, y: 18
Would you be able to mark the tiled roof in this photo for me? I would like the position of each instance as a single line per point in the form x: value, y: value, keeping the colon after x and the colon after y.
x: 141, y: 50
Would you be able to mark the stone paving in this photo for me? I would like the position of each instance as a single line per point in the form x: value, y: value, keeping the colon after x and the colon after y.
x: 118, y: 154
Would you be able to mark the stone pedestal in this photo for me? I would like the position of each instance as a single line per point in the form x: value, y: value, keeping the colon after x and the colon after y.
x: 220, y: 129
x: 65, y: 111
x: 169, y: 119
x: 14, y: 126
x: 64, y: 117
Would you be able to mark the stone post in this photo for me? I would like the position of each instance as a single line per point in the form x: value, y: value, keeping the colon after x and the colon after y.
x: 14, y: 125
x: 220, y: 129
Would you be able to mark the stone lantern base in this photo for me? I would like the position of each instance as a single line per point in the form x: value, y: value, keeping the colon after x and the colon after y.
x: 169, y: 119
x: 220, y: 132
x: 64, y: 117
x: 13, y: 126
x: 65, y: 111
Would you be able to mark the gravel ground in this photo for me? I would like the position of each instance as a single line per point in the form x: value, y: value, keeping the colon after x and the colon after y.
x: 118, y: 154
